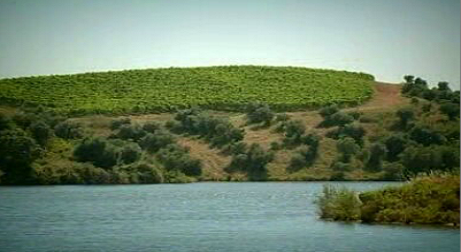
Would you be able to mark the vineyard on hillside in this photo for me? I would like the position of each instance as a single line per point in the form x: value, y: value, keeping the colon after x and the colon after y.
x: 160, y: 90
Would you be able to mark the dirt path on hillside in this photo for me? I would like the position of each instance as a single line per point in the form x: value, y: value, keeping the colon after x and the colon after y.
x: 386, y: 96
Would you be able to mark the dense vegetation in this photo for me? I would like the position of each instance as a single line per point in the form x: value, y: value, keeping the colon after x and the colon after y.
x: 40, y: 147
x: 158, y: 90
x: 424, y: 200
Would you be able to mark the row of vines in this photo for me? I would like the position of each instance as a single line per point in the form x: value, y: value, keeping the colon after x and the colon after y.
x: 161, y: 90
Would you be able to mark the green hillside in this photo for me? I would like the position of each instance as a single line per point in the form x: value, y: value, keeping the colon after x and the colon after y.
x: 160, y: 90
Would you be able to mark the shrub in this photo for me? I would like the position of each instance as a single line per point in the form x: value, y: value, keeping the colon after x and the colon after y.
x: 17, y: 152
x: 127, y: 132
x: 425, y: 200
x: 259, y: 113
x: 337, y: 119
x: 353, y: 130
x: 393, y: 171
x: 148, y: 173
x: 347, y: 147
x: 450, y: 109
x: 98, y: 151
x: 116, y: 124
x: 151, y: 127
x: 217, y: 131
x: 130, y: 153
x: 377, y: 154
x: 41, y: 132
x: 419, y: 159
x: 174, y: 157
x: 341, y: 166
x: 355, y: 114
x: 294, y: 131
x: 69, y: 130
x: 305, y: 157
x: 339, y: 204
x: 282, y: 117
x: 405, y: 115
x: 5, y: 122
x: 275, y: 146
x: 154, y: 142
x: 426, y: 136
x: 395, y: 144
x: 328, y: 110
x: 24, y: 119
x: 253, y: 162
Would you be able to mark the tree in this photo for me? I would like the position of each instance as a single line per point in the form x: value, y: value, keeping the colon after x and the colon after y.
x: 328, y: 110
x: 133, y: 132
x: 177, y: 158
x: 69, y: 130
x: 253, y: 162
x: 259, y: 113
x: 443, y: 86
x: 151, y: 127
x: 130, y: 153
x: 393, y: 171
x: 98, y: 151
x: 450, y: 109
x: 5, y: 122
x: 395, y: 144
x: 17, y: 152
x: 347, y: 147
x: 377, y: 153
x: 116, y: 124
x: 294, y: 130
x: 148, y: 173
x: 418, y: 159
x: 154, y: 142
x: 41, y: 132
x: 337, y: 119
x: 409, y: 78
x: 426, y: 136
x: 405, y: 115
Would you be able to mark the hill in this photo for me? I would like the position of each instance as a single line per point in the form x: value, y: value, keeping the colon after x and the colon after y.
x: 161, y: 90
x: 395, y: 134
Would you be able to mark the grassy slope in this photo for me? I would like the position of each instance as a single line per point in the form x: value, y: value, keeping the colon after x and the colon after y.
x: 157, y: 90
x: 387, y: 99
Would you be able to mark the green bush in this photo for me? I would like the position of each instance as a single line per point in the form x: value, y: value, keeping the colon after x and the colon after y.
x: 98, y: 151
x: 17, y: 152
x: 337, y: 119
x: 328, y: 110
x: 174, y: 157
x: 339, y: 204
x: 253, y: 161
x: 347, y: 147
x: 69, y: 130
x: 377, y: 153
x: 130, y: 153
x: 154, y: 142
x: 41, y: 132
x: 130, y: 132
x: 259, y: 113
x: 116, y: 124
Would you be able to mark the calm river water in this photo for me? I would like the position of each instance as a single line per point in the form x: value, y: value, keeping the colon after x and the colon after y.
x: 195, y: 217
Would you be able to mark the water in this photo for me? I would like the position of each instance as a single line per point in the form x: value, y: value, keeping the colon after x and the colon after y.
x: 195, y: 217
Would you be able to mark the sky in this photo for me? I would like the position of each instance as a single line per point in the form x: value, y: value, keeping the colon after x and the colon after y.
x: 387, y: 38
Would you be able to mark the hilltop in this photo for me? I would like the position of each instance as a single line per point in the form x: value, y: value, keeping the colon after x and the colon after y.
x: 228, y: 88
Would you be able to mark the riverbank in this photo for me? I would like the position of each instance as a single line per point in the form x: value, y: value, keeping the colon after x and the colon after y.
x: 433, y: 199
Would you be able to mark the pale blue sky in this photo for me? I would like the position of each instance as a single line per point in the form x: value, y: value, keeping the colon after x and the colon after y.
x: 387, y: 38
